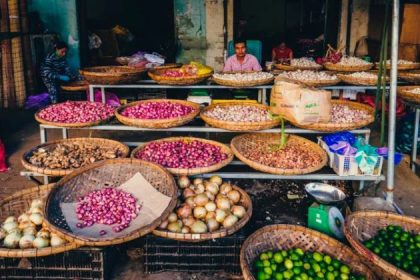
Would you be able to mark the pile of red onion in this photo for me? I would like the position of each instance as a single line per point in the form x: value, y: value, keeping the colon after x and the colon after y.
x: 108, y: 206
x: 76, y: 112
x: 157, y: 110
x: 182, y: 154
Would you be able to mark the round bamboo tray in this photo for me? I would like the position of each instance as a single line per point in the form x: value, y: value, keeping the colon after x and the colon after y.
x: 333, y: 127
x: 347, y: 68
x: 239, y: 84
x: 294, y: 68
x: 404, y: 93
x: 239, y: 144
x: 157, y: 76
x: 238, y: 126
x: 122, y: 151
x: 362, y: 225
x: 359, y: 81
x: 311, y: 83
x: 158, y: 123
x: 410, y: 76
x: 123, y: 60
x: 73, y: 125
x: 168, y: 66
x: 193, y: 171
x: 75, y: 86
x: 285, y: 67
x: 107, y: 173
x: 402, y: 67
x: 198, y: 237
x: 285, y: 237
x: 19, y: 203
x: 111, y: 75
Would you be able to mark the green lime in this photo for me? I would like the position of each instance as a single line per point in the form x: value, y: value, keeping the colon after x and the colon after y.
x: 261, y: 275
x: 273, y: 267
x: 345, y: 269
x: 263, y: 257
x: 330, y: 276
x: 299, y: 251
x: 288, y: 264
x: 320, y: 275
x: 297, y: 270
x: 288, y: 274
x: 336, y: 263
x: 278, y: 276
x: 269, y: 254
x: 268, y: 270
x: 306, y: 266
x: 317, y: 257
x: 304, y: 276
x: 330, y: 268
x: 327, y: 259
x: 295, y: 257
x: 278, y: 258
x: 298, y: 263
x: 415, y: 269
x: 316, y: 267
x: 284, y: 253
x: 258, y: 264
x: 344, y: 276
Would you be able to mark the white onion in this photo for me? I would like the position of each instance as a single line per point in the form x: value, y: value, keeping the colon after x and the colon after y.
x: 36, y: 203
x: 40, y: 242
x: 197, y: 181
x: 185, y: 230
x: 200, y: 212
x: 9, y: 226
x: 230, y: 221
x: 11, y: 241
x: 199, y: 188
x: 35, y: 210
x: 223, y: 203
x: 180, y: 223
x: 212, y: 187
x: 36, y: 218
x: 225, y: 188
x: 216, y: 179
x: 238, y: 211
x: 199, y: 227
x: 10, y: 219
x: 184, y: 211
x: 56, y: 241
x: 212, y: 225
x: 174, y: 227
x: 43, y: 233
x: 188, y: 192
x: 184, y: 182
x: 190, y: 201
x: 234, y: 196
x: 189, y: 221
x: 26, y: 241
x: 26, y: 224
x: 210, y: 195
x: 172, y: 217
x: 220, y: 215
x: 3, y: 234
x: 210, y: 206
x: 201, y: 199
x: 210, y: 215
x: 23, y: 218
x: 29, y: 230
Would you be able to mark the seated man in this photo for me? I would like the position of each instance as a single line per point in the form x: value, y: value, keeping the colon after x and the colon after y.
x: 241, y: 61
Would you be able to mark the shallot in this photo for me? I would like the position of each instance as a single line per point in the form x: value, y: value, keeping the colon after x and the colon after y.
x: 238, y: 113
x: 108, y: 206
x: 157, y: 110
x: 76, y: 112
x: 415, y: 90
x: 308, y: 75
x: 244, y: 77
x: 345, y: 114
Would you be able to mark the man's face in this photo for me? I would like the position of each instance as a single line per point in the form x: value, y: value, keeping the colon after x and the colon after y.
x: 61, y: 52
x: 240, y: 49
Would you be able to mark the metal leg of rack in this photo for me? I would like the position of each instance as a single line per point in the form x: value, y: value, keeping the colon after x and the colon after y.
x: 264, y: 97
x: 44, y: 138
x: 65, y: 133
x: 415, y: 140
x: 103, y: 94
x: 91, y: 93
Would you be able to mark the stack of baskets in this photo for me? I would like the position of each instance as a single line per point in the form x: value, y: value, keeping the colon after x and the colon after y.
x: 110, y: 75
x: 158, y: 76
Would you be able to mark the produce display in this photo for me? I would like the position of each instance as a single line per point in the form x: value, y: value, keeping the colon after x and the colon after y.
x: 352, y: 61
x: 363, y: 75
x: 239, y: 113
x: 71, y: 155
x: 70, y: 112
x: 188, y: 70
x: 205, y: 206
x: 304, y: 63
x: 107, y: 206
x: 308, y: 75
x: 298, y: 264
x: 402, y: 62
x: 398, y: 247
x: 343, y: 114
x: 243, y: 77
x: 157, y: 110
x: 27, y: 231
x: 415, y: 90
x: 182, y: 153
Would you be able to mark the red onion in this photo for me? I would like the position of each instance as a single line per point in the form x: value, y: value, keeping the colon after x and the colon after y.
x: 107, y: 206
x: 76, y: 112
x: 182, y: 154
x: 157, y: 110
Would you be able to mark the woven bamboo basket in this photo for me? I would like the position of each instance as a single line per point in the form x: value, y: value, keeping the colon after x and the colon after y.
x: 111, y: 75
x: 121, y: 150
x: 332, y: 127
x: 240, y: 143
x: 168, y: 66
x: 347, y: 68
x: 402, y: 67
x: 123, y: 60
x: 406, y: 94
x: 239, y: 84
x: 158, y: 123
x: 311, y: 83
x: 157, y: 76
x: 410, y: 76
x: 75, y: 86
x: 285, y: 67
x: 362, y: 225
x: 198, y: 170
x: 19, y: 203
x: 103, y: 174
x: 294, y: 68
x: 73, y: 125
x: 359, y: 81
x: 285, y: 237
x: 198, y: 237
x: 237, y: 126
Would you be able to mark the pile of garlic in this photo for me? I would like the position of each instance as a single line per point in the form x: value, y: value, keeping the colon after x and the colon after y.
x: 27, y: 232
x: 304, y: 62
x: 401, y: 62
x: 244, y: 77
x: 352, y: 61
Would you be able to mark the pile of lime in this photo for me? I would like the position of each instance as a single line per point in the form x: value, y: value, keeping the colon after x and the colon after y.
x: 296, y: 264
x: 398, y: 247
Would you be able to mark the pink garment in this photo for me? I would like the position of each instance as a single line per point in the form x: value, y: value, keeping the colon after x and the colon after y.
x: 250, y: 63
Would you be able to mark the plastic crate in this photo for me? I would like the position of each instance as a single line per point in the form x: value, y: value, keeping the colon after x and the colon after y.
x: 347, y: 165
x: 220, y: 254
x: 81, y: 264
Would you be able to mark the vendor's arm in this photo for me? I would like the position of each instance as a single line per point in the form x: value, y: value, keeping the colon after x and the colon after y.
x: 291, y: 55
x: 69, y: 73
x: 255, y: 64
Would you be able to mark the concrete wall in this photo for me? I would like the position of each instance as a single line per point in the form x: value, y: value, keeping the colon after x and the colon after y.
x: 60, y: 16
x: 359, y: 22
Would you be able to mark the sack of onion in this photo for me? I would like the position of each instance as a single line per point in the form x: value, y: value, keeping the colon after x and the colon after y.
x: 206, y: 209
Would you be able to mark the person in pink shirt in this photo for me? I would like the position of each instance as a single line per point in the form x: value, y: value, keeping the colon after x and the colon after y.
x: 241, y: 61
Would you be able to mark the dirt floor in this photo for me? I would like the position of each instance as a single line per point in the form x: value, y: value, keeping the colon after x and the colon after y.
x: 20, y: 132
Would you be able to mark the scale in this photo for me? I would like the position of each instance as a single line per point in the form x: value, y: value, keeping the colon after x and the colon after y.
x: 323, y: 216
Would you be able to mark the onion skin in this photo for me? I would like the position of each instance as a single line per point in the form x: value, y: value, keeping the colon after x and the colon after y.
x: 216, y: 179
x: 212, y: 225
x: 199, y: 227
x: 184, y: 211
x: 201, y: 199
x: 238, y: 211
x: 225, y: 188
x: 223, y: 203
x: 230, y: 221
x: 220, y: 215
x: 184, y: 182
x: 234, y: 196
x: 172, y: 218
x: 187, y: 193
x: 174, y: 227
x: 200, y: 212
x: 189, y: 221
x: 210, y: 206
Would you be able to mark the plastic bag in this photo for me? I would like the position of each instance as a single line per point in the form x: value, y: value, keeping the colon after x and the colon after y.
x: 37, y: 101
x: 3, y: 166
x: 334, y: 138
x: 111, y: 99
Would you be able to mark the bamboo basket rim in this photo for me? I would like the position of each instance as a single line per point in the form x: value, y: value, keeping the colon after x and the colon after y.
x: 405, y: 94
x: 155, y: 74
x: 370, y: 256
x: 106, y: 241
x: 62, y: 172
x: 311, y: 83
x: 93, y: 71
x: 158, y: 123
x: 240, y: 84
x: 340, y: 127
x: 359, y: 81
x: 411, y: 66
x: 198, y: 237
x: 245, y: 267
x: 281, y: 171
x: 347, y: 68
x: 410, y: 76
x: 294, y: 67
x: 60, y: 124
x: 168, y: 66
x: 285, y: 67
x: 33, y: 252
x: 197, y: 170
x: 240, y: 125
x: 75, y: 86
